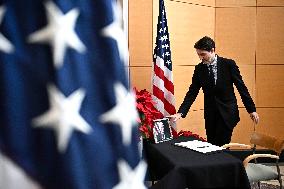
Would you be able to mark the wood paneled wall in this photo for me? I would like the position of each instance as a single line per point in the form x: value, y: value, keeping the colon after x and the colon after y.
x: 248, y: 31
x: 140, y: 42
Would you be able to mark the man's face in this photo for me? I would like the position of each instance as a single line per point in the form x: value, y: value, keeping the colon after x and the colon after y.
x: 206, y: 56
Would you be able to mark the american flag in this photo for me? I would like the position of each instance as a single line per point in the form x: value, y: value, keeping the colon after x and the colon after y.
x: 67, y: 117
x: 163, y: 87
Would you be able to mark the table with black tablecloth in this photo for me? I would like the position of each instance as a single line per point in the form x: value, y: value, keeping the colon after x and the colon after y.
x: 176, y: 167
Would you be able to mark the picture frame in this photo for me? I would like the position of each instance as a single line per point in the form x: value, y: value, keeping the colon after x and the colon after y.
x: 162, y: 131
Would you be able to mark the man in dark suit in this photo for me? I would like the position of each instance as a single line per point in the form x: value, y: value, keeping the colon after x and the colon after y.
x: 216, y: 76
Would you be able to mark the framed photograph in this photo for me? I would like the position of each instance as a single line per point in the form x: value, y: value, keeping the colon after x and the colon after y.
x: 162, y: 131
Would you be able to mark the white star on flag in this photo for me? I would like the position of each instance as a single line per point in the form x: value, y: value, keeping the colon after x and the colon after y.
x: 63, y: 116
x: 131, y: 179
x: 123, y: 113
x: 59, y: 32
x: 115, y: 31
x: 5, y: 45
x: 162, y: 38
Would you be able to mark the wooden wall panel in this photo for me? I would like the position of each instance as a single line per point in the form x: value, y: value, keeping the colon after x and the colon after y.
x: 196, y: 2
x: 248, y: 73
x: 271, y: 122
x: 140, y: 32
x: 244, y: 128
x: 235, y: 33
x: 270, y: 85
x: 270, y: 40
x: 193, y: 122
x: 186, y: 26
x: 235, y: 3
x: 182, y: 81
x: 270, y: 3
x: 140, y: 77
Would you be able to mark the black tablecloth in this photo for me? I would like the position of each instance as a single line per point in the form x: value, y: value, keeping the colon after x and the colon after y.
x: 177, y: 167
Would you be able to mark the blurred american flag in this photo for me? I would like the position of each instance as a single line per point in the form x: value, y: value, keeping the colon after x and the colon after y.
x: 67, y: 117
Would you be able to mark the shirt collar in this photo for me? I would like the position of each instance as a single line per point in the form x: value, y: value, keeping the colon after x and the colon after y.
x: 214, y: 62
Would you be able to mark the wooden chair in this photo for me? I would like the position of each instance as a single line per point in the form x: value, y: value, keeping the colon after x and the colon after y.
x: 258, y: 172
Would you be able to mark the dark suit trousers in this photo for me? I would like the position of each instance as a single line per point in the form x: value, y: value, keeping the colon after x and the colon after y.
x: 218, y: 133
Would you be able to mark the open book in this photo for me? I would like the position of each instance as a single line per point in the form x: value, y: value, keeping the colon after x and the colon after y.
x: 200, y: 146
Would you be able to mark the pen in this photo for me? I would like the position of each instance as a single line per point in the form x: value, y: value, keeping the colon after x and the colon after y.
x: 202, y: 146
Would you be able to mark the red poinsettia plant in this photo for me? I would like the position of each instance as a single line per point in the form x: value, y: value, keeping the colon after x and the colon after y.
x: 148, y: 113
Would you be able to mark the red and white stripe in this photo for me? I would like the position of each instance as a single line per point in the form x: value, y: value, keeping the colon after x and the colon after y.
x: 13, y: 176
x: 163, y: 88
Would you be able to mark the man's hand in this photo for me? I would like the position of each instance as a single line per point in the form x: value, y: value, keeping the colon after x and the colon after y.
x: 254, y: 116
x: 175, y: 117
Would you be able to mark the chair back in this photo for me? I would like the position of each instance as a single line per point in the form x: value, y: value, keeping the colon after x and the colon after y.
x: 266, y: 141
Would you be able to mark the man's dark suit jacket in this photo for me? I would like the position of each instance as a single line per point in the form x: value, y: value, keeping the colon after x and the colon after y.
x: 221, y: 95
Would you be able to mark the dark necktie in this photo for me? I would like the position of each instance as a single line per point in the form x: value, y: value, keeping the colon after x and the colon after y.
x: 211, y: 75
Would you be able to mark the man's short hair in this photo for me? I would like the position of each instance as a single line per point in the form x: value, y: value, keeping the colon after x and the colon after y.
x: 205, y: 43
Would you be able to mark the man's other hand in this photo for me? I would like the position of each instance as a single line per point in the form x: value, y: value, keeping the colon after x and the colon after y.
x: 254, y: 116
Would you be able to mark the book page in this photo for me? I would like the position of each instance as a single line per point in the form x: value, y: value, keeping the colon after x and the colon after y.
x: 199, y: 146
